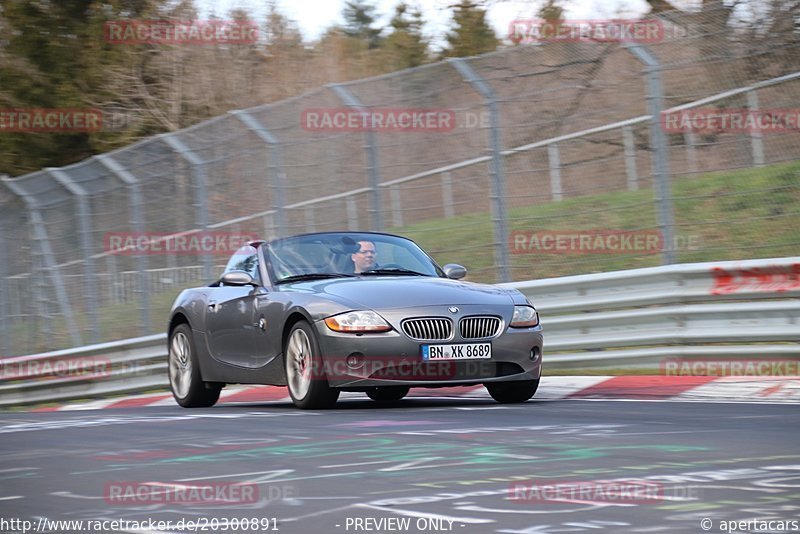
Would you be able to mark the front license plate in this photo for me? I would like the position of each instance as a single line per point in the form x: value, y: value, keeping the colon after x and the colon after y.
x: 465, y: 351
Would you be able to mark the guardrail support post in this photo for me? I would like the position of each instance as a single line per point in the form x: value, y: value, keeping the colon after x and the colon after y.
x: 756, y: 137
x: 277, y: 174
x: 497, y: 172
x: 658, y: 143
x: 138, y: 224
x: 376, y: 213
x: 200, y: 194
x: 630, y: 158
x: 84, y: 227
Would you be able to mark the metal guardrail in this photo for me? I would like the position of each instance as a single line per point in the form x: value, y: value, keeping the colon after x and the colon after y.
x: 625, y: 318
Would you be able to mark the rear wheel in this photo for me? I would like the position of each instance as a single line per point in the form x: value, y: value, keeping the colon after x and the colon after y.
x: 512, y: 392
x: 185, y: 381
x: 387, y: 393
x: 305, y: 376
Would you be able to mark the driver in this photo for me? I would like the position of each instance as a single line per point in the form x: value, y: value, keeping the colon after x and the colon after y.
x: 364, y: 259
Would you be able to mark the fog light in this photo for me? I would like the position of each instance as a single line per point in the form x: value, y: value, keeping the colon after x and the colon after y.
x: 535, y: 354
x: 355, y: 360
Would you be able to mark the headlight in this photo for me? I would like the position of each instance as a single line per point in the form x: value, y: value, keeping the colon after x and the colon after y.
x: 524, y: 317
x: 357, y: 321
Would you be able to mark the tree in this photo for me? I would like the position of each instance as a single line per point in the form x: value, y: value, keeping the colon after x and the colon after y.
x: 551, y: 12
x: 286, y: 69
x: 359, y: 17
x: 405, y: 47
x: 472, y: 35
x: 54, y: 56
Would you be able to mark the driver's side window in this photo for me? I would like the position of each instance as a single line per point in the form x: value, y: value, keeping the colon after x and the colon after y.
x: 245, y: 259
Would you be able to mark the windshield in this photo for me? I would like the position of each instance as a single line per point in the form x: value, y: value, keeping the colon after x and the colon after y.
x: 343, y: 254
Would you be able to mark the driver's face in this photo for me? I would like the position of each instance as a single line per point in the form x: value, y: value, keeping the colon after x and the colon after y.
x: 364, y: 259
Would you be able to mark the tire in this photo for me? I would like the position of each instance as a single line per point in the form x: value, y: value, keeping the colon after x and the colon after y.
x: 387, y: 393
x: 512, y: 392
x: 305, y: 378
x: 185, y: 381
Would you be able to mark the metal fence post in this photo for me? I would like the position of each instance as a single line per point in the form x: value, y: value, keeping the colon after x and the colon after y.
x: 308, y: 214
x: 352, y: 214
x: 39, y: 309
x: 497, y: 172
x: 5, y: 334
x: 41, y: 237
x: 690, y: 140
x: 200, y: 194
x: 114, y: 292
x: 84, y: 228
x: 555, y: 172
x: 630, y: 158
x: 447, y: 195
x: 277, y: 174
x: 397, y: 206
x: 138, y: 224
x: 351, y: 101
x: 756, y: 137
x: 658, y: 142
x: 269, y: 226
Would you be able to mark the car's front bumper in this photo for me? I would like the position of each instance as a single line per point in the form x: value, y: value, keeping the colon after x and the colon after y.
x: 394, y: 359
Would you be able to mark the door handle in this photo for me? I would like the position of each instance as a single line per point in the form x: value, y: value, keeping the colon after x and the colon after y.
x: 212, y: 306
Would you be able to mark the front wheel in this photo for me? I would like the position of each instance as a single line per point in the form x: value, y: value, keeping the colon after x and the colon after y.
x: 387, y: 393
x: 512, y: 392
x: 305, y: 376
x: 185, y: 381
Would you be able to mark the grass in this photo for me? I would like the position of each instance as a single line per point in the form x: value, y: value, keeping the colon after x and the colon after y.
x: 728, y: 215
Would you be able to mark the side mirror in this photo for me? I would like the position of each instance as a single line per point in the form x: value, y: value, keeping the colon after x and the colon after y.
x: 455, y: 271
x: 237, y: 278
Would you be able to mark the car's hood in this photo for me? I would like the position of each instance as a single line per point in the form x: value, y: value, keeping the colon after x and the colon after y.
x: 389, y: 292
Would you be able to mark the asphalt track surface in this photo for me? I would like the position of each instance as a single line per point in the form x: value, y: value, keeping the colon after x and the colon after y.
x: 419, y: 465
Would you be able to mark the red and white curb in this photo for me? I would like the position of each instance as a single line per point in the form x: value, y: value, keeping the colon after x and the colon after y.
x: 674, y: 388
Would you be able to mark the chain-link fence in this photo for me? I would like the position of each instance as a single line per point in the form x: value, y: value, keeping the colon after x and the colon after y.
x: 545, y: 159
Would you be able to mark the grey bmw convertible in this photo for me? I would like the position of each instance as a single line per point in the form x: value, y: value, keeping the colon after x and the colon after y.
x: 369, y: 312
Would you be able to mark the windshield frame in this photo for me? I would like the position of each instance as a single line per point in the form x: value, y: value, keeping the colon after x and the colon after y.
x: 272, y: 258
